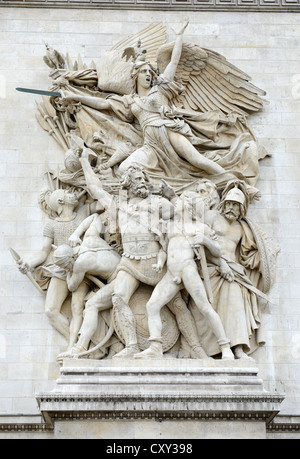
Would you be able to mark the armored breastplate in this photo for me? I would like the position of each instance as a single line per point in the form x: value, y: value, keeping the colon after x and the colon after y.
x: 140, y: 246
x: 147, y: 109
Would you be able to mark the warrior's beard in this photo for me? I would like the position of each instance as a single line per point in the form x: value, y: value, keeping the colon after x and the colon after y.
x: 141, y: 191
x: 231, y: 215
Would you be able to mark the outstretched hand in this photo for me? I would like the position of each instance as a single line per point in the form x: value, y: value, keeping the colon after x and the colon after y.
x: 166, y: 190
x: 183, y: 27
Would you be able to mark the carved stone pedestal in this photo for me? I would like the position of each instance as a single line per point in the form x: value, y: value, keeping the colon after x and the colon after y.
x: 167, y: 399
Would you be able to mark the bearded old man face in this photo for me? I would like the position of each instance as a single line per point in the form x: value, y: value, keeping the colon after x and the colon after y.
x: 139, y: 186
x: 136, y: 181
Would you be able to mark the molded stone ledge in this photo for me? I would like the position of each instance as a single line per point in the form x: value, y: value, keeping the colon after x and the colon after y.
x: 284, y: 424
x: 261, y: 6
x: 167, y: 389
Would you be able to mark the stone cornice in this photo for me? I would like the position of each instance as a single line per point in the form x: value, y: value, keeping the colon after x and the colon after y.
x: 172, y: 398
x: 25, y: 427
x: 280, y: 6
x: 283, y: 427
x: 165, y: 416
x: 118, y: 406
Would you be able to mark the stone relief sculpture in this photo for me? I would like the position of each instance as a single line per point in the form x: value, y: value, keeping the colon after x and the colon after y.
x: 182, y: 272
x: 147, y: 233
x: 236, y: 289
x: 48, y: 274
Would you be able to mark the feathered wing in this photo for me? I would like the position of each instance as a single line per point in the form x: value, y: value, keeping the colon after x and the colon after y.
x: 114, y: 67
x: 152, y: 38
x: 211, y: 82
x: 113, y: 73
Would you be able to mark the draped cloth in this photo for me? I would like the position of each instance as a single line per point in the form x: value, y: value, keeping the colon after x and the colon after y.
x: 59, y: 232
x: 231, y: 146
x: 238, y: 303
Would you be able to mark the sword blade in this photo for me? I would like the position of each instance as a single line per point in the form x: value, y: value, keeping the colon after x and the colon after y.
x: 205, y: 273
x: 39, y: 91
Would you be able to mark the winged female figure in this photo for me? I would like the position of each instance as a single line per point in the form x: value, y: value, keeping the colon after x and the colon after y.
x: 184, y: 122
x: 178, y: 110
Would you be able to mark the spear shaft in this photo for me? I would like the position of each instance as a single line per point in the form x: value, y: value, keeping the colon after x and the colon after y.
x: 200, y: 253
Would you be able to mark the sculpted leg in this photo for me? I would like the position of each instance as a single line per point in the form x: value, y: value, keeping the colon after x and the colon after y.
x: 125, y: 286
x: 99, y: 302
x: 187, y: 326
x: 194, y: 285
x: 164, y: 291
x: 77, y: 306
x: 56, y: 294
x: 186, y: 150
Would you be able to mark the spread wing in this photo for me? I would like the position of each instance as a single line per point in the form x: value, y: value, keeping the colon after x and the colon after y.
x: 151, y: 39
x: 211, y: 82
x: 114, y: 66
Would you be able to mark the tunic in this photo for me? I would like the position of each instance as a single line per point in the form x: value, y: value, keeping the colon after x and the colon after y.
x: 59, y: 232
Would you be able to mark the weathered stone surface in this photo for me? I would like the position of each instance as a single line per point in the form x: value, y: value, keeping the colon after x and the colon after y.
x: 28, y: 349
x: 181, y: 394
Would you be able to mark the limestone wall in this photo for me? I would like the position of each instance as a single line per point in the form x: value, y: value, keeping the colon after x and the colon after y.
x: 266, y: 46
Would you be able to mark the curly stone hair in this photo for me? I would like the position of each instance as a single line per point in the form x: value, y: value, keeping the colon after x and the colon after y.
x: 128, y: 174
